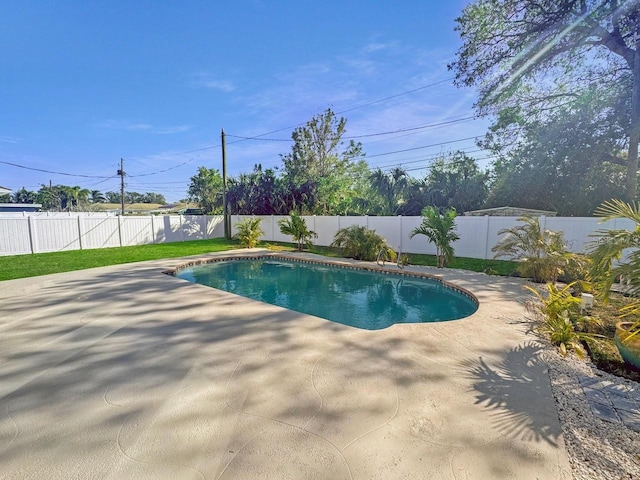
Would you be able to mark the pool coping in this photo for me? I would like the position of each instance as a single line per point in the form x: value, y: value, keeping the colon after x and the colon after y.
x: 369, y: 267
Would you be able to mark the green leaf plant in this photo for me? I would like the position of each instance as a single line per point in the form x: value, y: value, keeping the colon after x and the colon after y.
x: 296, y: 227
x: 249, y: 232
x: 615, y: 255
x: 560, y: 319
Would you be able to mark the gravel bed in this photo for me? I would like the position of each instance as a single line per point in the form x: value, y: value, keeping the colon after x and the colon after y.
x: 597, y: 449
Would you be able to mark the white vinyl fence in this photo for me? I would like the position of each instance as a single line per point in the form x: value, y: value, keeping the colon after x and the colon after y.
x: 478, y: 235
x: 35, y: 233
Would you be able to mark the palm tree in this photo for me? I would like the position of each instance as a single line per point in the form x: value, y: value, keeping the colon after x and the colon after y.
x: 96, y: 196
x: 542, y: 254
x: 607, y: 249
x: 440, y: 230
x: 361, y: 243
x: 297, y: 228
x: 391, y: 187
x: 616, y: 254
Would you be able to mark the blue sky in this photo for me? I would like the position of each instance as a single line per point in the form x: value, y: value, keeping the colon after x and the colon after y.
x: 85, y: 83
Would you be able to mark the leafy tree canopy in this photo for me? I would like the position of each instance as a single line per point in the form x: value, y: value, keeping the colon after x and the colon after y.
x: 529, y: 57
x: 455, y: 181
x: 319, y: 165
x: 206, y: 189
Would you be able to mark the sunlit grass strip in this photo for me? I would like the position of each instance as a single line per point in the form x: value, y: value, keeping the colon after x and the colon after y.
x: 32, y: 265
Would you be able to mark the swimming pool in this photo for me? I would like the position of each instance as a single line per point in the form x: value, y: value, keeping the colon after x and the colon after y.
x: 360, y: 298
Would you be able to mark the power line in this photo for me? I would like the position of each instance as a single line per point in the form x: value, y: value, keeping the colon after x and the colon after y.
x: 396, y: 96
x: 423, y: 146
x: 378, y: 134
x: 256, y: 137
x: 446, y: 164
x: 405, y: 161
x: 50, y: 171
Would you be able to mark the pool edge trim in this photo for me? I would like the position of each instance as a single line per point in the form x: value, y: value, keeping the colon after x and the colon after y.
x: 336, y: 263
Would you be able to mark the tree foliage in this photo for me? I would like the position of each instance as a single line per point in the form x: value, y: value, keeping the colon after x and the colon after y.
x: 206, y: 189
x: 392, y: 189
x: 530, y: 57
x: 455, y: 181
x: 318, y: 170
x: 565, y: 163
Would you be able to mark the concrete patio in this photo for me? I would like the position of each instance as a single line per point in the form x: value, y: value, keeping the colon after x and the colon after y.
x: 124, y: 372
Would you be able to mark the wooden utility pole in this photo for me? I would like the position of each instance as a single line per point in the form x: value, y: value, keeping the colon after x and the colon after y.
x: 121, y: 173
x: 225, y: 212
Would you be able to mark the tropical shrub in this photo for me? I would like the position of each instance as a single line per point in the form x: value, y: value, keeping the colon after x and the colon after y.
x: 296, y: 227
x: 542, y: 254
x: 362, y: 244
x: 249, y: 232
x: 440, y: 230
x: 576, y: 271
x: 606, y: 253
x: 560, y: 319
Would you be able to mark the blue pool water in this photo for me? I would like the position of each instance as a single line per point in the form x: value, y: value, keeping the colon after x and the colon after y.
x: 355, y: 297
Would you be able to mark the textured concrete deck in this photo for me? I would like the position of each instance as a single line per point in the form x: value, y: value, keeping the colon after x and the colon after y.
x: 123, y: 372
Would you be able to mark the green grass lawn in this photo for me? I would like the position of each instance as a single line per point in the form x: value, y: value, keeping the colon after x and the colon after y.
x: 21, y: 266
x: 31, y: 265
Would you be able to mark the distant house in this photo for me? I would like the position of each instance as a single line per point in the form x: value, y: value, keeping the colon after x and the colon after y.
x: 19, y: 207
x: 4, y: 191
x: 511, y: 212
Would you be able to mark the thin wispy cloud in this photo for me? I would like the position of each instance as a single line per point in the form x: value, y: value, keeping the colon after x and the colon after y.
x: 9, y: 139
x: 143, y: 127
x: 203, y: 80
x: 171, y: 130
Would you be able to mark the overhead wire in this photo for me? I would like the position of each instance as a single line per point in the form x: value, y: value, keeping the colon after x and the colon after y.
x: 259, y: 137
x: 368, y: 135
x: 51, y: 171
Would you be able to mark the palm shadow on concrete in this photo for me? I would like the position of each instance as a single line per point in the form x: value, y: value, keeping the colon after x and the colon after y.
x: 518, y: 392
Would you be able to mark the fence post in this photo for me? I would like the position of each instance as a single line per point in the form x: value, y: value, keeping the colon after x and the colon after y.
x: 486, y: 237
x: 32, y: 234
x: 120, y: 229
x: 153, y: 229
x: 400, y: 230
x: 79, y: 232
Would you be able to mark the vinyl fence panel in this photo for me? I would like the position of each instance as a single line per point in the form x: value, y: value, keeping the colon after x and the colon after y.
x: 100, y: 232
x: 14, y: 236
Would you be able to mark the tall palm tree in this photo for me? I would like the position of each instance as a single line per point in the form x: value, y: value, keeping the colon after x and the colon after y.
x: 440, y: 230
